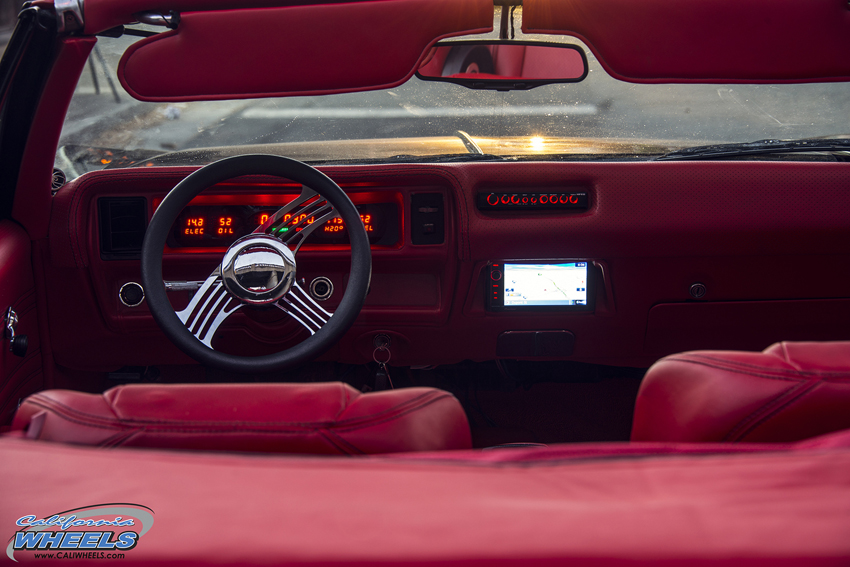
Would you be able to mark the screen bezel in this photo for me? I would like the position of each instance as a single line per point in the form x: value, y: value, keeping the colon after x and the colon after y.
x: 497, y: 303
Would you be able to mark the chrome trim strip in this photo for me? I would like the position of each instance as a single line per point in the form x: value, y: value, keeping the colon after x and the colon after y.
x: 157, y: 19
x: 182, y: 286
x: 121, y: 294
x: 318, y: 296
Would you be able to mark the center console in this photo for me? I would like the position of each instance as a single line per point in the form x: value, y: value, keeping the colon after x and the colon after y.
x: 539, y: 285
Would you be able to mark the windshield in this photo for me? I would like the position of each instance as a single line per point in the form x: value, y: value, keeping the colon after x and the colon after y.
x: 599, y: 116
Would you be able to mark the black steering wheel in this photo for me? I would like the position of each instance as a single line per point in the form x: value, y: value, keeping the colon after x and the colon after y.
x: 258, y: 269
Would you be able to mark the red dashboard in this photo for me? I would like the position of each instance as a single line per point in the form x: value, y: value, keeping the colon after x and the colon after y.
x: 766, y: 242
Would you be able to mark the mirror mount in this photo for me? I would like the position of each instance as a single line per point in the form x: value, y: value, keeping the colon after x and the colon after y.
x: 508, y: 7
x: 503, y: 65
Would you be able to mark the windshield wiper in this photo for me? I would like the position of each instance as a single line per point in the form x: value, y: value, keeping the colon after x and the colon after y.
x: 469, y: 143
x: 760, y: 147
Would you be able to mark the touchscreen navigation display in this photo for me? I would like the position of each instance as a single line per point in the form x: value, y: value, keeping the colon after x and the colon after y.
x: 539, y: 285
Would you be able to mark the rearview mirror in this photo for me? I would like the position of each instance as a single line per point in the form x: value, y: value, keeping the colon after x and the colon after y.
x: 503, y: 65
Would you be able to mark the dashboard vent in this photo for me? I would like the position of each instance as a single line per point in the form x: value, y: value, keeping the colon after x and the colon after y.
x: 123, y: 221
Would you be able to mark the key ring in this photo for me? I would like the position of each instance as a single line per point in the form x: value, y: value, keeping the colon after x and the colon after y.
x: 375, y: 355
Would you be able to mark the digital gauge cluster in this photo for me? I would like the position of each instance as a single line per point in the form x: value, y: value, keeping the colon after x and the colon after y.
x: 216, y: 226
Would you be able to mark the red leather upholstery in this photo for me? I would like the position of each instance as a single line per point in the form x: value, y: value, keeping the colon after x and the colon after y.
x: 337, y: 49
x: 712, y: 41
x: 19, y: 376
x: 791, y: 391
x: 324, y: 418
x: 600, y: 507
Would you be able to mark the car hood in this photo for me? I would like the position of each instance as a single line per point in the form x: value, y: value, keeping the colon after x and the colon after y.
x: 419, y: 149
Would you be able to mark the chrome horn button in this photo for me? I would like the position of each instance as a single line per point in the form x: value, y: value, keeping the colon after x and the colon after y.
x: 258, y: 269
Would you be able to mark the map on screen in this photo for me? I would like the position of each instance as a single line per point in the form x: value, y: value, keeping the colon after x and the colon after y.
x: 545, y: 284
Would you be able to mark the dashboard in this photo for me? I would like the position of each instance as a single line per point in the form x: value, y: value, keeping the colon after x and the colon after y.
x: 649, y: 259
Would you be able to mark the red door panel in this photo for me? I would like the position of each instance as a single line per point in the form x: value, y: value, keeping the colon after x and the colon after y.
x: 19, y: 376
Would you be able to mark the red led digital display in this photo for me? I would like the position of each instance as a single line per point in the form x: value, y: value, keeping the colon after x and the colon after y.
x: 212, y: 222
x: 298, y: 221
x: 194, y: 226
x: 333, y: 226
x: 337, y: 224
x: 225, y: 226
x: 216, y: 226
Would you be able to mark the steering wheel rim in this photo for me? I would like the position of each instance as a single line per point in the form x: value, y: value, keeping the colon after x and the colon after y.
x: 180, y: 196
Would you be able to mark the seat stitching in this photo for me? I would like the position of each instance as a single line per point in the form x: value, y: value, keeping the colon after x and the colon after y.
x: 340, y: 443
x: 72, y: 419
x: 837, y: 373
x: 47, y: 403
x: 790, y: 376
x: 111, y: 403
x: 120, y: 438
x: 397, y: 407
x: 230, y: 427
x: 774, y: 413
x: 89, y: 420
x: 738, y: 370
x: 125, y: 425
x: 346, y: 401
x: 768, y: 409
x: 310, y: 424
x: 230, y: 430
x: 726, y: 364
x: 786, y: 356
x: 66, y: 411
x: 393, y: 417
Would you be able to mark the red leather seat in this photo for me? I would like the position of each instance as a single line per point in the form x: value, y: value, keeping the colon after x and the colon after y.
x: 322, y: 418
x: 791, y: 391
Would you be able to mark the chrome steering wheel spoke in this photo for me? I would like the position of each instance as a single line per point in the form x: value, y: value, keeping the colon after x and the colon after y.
x: 208, y: 309
x: 291, y: 222
x: 221, y: 294
x: 300, y: 306
x: 258, y: 269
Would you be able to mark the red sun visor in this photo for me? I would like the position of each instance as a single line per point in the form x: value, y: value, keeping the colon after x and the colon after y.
x: 705, y: 41
x: 297, y: 50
